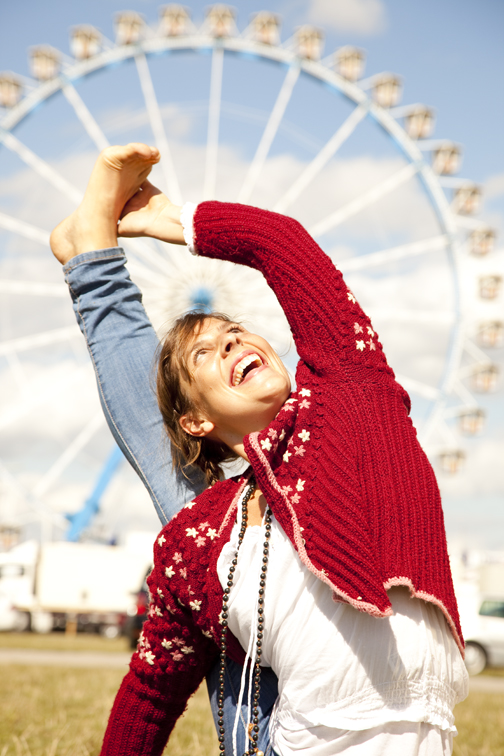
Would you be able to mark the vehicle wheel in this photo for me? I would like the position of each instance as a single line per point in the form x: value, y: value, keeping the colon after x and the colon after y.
x: 41, y: 622
x: 475, y: 658
x: 22, y: 622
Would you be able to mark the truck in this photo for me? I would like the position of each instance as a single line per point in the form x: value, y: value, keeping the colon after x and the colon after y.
x: 70, y: 585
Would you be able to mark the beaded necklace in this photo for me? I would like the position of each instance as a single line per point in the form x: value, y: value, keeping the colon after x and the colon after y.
x: 254, y: 726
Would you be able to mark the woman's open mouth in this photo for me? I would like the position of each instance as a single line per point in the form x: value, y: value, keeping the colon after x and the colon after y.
x: 250, y: 362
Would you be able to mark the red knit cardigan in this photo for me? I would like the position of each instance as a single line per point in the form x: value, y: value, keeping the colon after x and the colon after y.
x: 340, y: 466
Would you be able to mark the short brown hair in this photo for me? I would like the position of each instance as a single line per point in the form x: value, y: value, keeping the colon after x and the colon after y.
x: 173, y: 400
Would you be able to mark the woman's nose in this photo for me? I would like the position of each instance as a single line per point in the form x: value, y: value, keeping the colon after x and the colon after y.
x: 229, y: 340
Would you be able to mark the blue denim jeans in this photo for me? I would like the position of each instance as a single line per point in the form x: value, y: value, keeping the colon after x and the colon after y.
x: 122, y: 345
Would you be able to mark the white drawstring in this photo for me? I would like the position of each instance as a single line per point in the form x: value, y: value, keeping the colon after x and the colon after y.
x: 250, y: 656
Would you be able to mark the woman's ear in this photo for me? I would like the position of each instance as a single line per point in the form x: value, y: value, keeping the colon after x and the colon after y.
x: 196, y: 426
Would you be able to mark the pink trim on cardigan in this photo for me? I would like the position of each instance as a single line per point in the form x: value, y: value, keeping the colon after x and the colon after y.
x: 234, y: 504
x: 397, y: 581
x: 361, y: 606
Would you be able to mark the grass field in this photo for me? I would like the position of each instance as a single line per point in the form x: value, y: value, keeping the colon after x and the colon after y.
x: 55, y: 711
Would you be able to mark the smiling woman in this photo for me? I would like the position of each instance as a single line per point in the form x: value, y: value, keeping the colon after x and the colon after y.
x: 203, y: 361
x: 337, y: 485
x: 216, y: 383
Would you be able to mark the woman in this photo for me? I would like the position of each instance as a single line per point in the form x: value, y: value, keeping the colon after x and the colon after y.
x: 355, y: 512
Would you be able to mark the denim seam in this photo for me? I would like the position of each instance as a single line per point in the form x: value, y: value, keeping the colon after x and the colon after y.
x: 71, y: 267
x: 143, y: 477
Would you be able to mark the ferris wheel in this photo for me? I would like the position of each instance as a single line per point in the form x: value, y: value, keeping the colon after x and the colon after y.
x: 236, y: 115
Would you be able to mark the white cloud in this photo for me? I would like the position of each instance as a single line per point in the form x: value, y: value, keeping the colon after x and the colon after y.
x: 366, y: 17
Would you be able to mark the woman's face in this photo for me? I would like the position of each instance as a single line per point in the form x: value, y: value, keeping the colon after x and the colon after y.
x: 239, y: 382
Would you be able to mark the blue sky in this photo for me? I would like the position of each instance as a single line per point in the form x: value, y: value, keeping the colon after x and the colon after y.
x: 451, y: 57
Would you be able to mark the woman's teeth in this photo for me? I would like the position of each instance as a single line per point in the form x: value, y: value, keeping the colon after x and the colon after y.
x: 240, y: 369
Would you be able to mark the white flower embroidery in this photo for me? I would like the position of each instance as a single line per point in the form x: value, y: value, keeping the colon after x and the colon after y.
x: 191, y: 532
x: 177, y: 656
x: 200, y: 541
x: 195, y: 605
x: 371, y: 345
x: 187, y: 650
x: 177, y: 557
x: 300, y: 485
x: 160, y: 593
x: 370, y: 331
x: 161, y: 540
x: 351, y: 297
x: 169, y: 572
x: 149, y: 657
x: 281, y: 436
x: 291, y: 401
x: 207, y: 634
x: 358, y: 328
x: 166, y: 643
x: 300, y: 451
x: 360, y: 345
x: 211, y: 533
x: 286, y: 456
x: 266, y: 444
x: 304, y: 435
x: 272, y: 433
x: 286, y: 489
x: 305, y: 404
x: 189, y: 505
x: 305, y: 392
x: 295, y: 498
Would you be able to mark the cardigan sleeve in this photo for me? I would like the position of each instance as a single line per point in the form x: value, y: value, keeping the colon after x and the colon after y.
x: 172, y: 659
x: 329, y: 327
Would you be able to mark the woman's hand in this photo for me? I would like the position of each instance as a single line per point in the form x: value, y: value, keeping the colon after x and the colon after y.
x: 150, y: 213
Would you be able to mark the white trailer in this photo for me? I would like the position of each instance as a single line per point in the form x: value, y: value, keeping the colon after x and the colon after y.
x: 83, y: 584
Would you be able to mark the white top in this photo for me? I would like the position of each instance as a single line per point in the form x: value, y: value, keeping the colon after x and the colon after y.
x: 338, y: 667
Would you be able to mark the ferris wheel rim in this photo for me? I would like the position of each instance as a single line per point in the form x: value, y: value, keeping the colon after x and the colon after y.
x: 316, y: 70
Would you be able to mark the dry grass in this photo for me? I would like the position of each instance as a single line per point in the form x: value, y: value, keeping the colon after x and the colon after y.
x: 63, y: 642
x: 55, y: 711
x: 48, y: 711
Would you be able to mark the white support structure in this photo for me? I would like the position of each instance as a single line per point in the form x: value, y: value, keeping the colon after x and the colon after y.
x: 423, y: 317
x: 40, y: 167
x: 418, y: 387
x: 365, y: 200
x: 363, y: 262
x: 23, y: 344
x: 72, y: 450
x: 33, y: 289
x: 94, y: 131
x: 35, y: 399
x: 269, y: 134
x: 24, y: 229
x: 320, y: 161
x: 212, y: 147
x: 158, y: 130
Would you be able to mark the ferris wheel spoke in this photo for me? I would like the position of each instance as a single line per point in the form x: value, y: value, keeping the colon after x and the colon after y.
x: 323, y: 157
x: 43, y: 169
x: 418, y: 387
x: 158, y: 129
x: 368, y: 198
x: 464, y: 393
x: 83, y: 114
x: 24, y: 229
x: 269, y: 133
x: 23, y: 344
x: 70, y: 453
x: 423, y: 317
x: 392, y: 254
x: 213, y: 123
x: 35, y: 399
x: 33, y: 289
